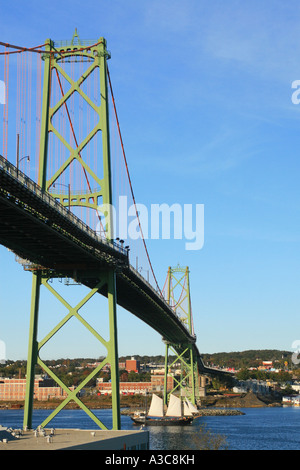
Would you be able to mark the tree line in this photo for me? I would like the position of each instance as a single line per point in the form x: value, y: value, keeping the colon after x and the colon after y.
x: 249, y: 358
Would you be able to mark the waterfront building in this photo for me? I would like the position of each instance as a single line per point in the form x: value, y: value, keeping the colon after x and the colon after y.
x: 296, y: 386
x: 44, y: 389
x: 138, y: 388
x: 295, y: 401
x: 253, y: 385
x: 130, y: 388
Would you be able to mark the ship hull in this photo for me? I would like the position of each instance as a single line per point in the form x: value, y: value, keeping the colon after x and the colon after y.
x: 163, y: 421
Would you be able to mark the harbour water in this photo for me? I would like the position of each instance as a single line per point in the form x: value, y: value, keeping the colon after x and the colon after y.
x: 257, y: 429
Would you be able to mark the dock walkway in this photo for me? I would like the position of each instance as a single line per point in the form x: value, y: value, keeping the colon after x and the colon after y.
x: 73, y: 439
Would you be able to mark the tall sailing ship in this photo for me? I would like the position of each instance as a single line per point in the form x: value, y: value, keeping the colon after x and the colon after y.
x: 178, y: 413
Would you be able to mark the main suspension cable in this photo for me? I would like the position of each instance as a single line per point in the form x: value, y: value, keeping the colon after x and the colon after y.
x: 129, y: 179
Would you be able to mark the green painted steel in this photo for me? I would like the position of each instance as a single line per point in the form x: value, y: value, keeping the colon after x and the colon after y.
x: 32, y: 349
x: 102, y: 196
x: 45, y: 116
x: 178, y: 296
x: 97, y: 54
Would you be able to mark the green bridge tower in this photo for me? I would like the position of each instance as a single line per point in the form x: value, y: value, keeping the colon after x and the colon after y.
x: 179, y: 298
x: 94, y: 57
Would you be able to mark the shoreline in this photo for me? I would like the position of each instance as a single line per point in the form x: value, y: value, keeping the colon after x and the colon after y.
x: 201, y: 412
x: 205, y: 406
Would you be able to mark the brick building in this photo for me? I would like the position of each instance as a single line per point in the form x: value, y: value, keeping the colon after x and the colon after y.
x: 132, y: 365
x: 157, y: 382
x: 44, y: 388
x: 135, y: 388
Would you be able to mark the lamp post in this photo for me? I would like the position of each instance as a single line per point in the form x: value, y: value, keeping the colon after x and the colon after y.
x: 146, y: 270
x: 28, y: 159
x: 69, y: 191
x: 18, y: 153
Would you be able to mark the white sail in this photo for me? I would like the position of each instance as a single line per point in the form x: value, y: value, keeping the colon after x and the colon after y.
x: 192, y: 407
x: 156, y: 407
x: 186, y: 409
x: 174, y: 408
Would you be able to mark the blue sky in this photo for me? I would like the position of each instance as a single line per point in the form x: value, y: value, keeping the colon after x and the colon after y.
x: 203, y: 91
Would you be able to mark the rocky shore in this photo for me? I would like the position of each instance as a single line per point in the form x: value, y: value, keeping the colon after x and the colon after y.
x: 218, y: 412
x: 223, y: 405
x: 245, y: 400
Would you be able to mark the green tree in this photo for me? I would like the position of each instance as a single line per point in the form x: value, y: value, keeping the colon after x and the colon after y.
x: 243, y: 374
x: 283, y: 377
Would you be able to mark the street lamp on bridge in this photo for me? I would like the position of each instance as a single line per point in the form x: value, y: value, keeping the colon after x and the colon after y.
x: 18, y: 151
x: 69, y: 191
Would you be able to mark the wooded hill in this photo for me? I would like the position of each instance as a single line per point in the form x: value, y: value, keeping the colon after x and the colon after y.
x: 249, y: 358
x: 236, y: 359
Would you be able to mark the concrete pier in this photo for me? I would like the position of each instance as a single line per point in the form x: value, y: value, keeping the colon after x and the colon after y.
x: 73, y: 439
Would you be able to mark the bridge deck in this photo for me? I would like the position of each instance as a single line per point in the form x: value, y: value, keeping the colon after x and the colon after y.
x: 38, y: 228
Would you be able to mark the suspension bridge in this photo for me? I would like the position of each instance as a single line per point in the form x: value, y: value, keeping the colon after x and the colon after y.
x: 63, y: 167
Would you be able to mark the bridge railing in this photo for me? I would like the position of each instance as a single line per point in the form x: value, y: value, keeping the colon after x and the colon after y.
x: 9, y: 168
x: 157, y: 293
